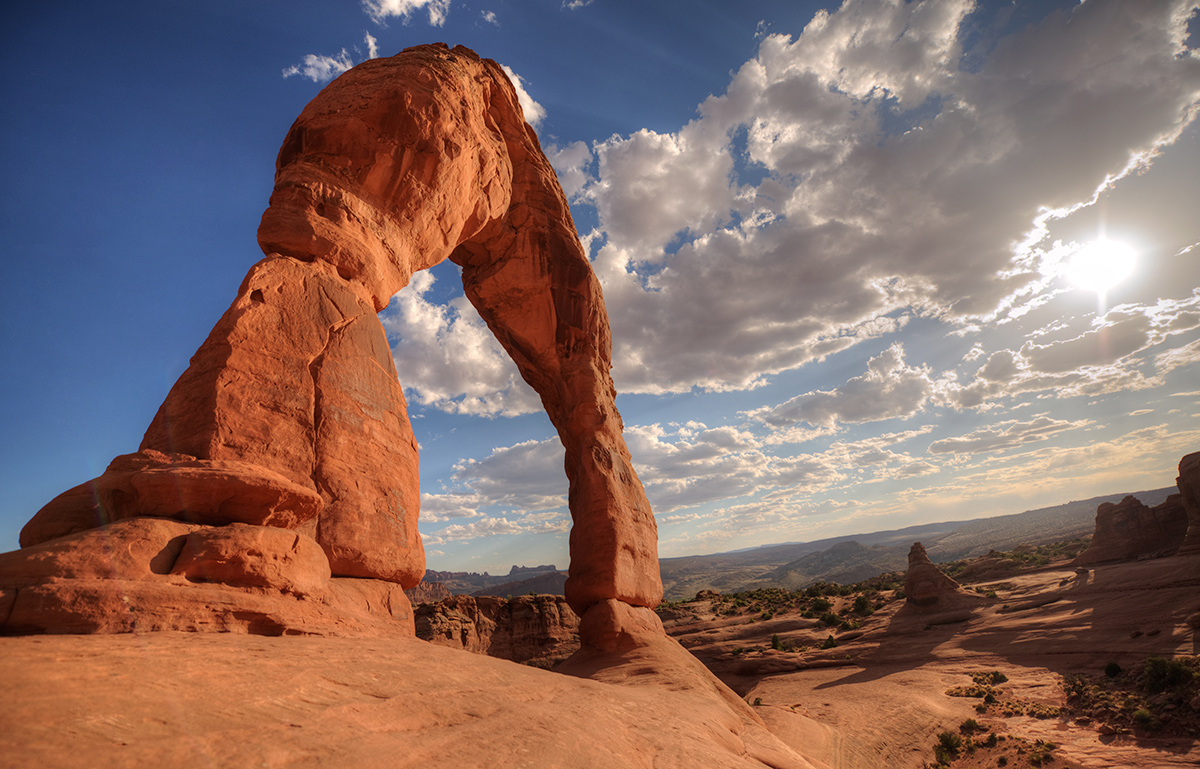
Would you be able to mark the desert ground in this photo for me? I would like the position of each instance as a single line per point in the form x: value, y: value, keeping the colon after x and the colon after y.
x: 877, y: 698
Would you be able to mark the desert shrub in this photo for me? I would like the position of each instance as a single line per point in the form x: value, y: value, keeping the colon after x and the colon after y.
x: 1002, y: 761
x: 757, y: 701
x: 990, y: 594
x: 970, y: 726
x: 947, y: 747
x: 991, y: 741
x: 989, y: 677
x: 738, y: 650
x: 829, y: 643
x: 1112, y: 670
x: 820, y: 605
x: 1144, y: 718
x: 1166, y: 674
x: 862, y: 605
x: 831, y: 619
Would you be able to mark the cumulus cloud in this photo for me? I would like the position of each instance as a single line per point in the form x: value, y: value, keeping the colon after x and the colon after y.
x: 320, y: 69
x: 446, y: 356
x: 534, y: 112
x: 571, y: 164
x: 489, y: 17
x: 381, y: 10
x: 891, y: 389
x: 857, y: 221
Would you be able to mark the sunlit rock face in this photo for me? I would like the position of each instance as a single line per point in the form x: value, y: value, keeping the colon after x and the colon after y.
x: 924, y: 584
x: 1129, y: 529
x: 291, y: 415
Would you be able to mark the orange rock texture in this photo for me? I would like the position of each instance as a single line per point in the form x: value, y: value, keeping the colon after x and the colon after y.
x: 1129, y: 529
x: 924, y: 584
x: 291, y: 414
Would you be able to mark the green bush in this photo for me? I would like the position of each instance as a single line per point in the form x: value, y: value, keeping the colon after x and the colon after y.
x: 829, y: 643
x: 831, y: 619
x: 1112, y: 670
x: 1145, y: 719
x: 820, y: 605
x: 970, y: 726
x: 1166, y: 674
x: 862, y: 605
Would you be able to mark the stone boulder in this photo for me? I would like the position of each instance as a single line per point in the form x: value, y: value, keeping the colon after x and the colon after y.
x: 538, y: 630
x: 1129, y: 529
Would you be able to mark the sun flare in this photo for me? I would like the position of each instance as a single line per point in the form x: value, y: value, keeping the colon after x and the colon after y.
x: 1101, y: 264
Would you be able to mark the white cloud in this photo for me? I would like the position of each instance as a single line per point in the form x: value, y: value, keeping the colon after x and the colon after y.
x: 571, y: 164
x: 534, y: 112
x: 575, y: 4
x: 447, y: 358
x: 1005, y: 435
x: 381, y: 10
x: 890, y: 389
x: 490, y: 17
x: 321, y: 69
x: 372, y: 45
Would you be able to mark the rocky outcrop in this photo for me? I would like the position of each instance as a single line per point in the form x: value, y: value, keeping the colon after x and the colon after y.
x: 1189, y: 492
x: 428, y: 592
x: 291, y: 415
x: 145, y: 574
x: 538, y: 630
x: 925, y: 586
x: 1129, y: 529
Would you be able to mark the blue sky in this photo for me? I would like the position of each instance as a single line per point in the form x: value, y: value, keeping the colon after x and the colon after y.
x: 840, y: 245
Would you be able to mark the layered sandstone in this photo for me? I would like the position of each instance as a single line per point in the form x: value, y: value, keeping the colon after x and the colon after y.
x: 1189, y: 492
x: 149, y: 574
x: 1129, y: 529
x: 925, y: 585
x: 291, y: 415
x: 539, y: 630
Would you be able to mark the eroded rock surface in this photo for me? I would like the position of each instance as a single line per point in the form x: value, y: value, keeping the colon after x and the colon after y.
x: 1189, y: 492
x: 1129, y: 529
x: 925, y: 585
x: 291, y: 415
x: 539, y: 630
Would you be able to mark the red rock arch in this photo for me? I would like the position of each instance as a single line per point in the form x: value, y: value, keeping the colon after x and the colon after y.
x: 291, y: 413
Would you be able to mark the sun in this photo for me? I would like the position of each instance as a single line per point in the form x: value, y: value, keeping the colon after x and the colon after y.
x: 1101, y: 264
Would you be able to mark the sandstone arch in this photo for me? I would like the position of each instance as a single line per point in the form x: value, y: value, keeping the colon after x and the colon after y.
x: 291, y: 413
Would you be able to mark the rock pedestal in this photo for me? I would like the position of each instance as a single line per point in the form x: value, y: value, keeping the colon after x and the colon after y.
x: 924, y: 584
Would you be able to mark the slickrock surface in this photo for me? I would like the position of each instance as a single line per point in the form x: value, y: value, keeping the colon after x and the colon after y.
x: 1129, y: 529
x: 880, y: 697
x: 537, y: 630
x: 231, y: 700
